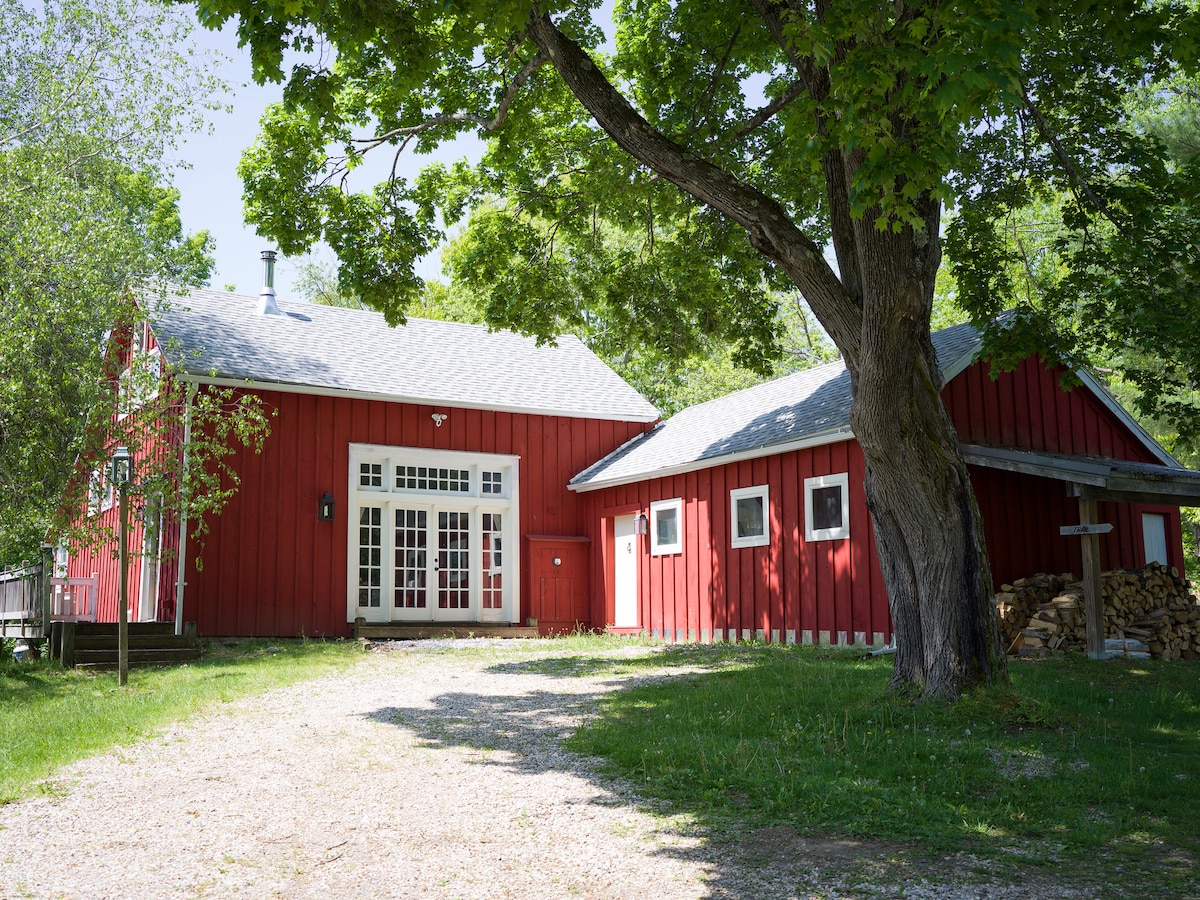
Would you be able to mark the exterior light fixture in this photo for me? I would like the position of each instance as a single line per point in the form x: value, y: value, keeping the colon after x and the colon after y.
x: 120, y: 470
x: 641, y: 524
x: 325, y: 510
x: 439, y: 418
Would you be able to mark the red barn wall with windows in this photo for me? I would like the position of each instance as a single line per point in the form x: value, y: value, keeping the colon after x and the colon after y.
x: 270, y: 567
x: 801, y: 591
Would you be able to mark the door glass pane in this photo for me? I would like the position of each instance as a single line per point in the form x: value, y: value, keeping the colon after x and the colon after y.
x: 370, y: 556
x: 412, y: 561
x: 492, y: 593
x: 453, y: 562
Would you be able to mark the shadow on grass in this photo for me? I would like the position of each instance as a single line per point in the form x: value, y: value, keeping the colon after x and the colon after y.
x: 1086, y: 775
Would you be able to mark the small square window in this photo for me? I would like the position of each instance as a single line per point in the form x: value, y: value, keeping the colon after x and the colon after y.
x: 750, y: 512
x: 666, y: 527
x: 827, y: 507
x: 370, y: 475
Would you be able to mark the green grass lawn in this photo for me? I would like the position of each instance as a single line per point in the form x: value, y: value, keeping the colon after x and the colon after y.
x: 1090, y: 768
x: 50, y: 716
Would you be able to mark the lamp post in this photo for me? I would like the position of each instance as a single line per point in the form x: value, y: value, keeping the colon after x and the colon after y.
x: 121, y: 474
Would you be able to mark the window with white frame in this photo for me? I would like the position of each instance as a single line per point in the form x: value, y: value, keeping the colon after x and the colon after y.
x: 750, y: 512
x: 827, y: 507
x: 666, y: 527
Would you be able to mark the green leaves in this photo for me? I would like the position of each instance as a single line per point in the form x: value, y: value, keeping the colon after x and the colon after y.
x: 92, y: 94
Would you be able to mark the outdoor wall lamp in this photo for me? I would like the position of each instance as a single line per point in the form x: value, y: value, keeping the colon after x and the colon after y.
x: 120, y: 470
x: 439, y: 418
x: 325, y: 510
x: 641, y: 525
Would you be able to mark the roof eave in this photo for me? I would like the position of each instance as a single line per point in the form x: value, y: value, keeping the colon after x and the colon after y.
x: 710, y: 462
x: 293, y: 388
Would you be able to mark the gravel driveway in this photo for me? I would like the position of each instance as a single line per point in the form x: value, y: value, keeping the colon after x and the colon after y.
x: 418, y: 773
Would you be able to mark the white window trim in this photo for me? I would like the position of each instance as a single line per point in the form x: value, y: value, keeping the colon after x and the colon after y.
x: 841, y: 480
x: 750, y: 540
x: 659, y: 549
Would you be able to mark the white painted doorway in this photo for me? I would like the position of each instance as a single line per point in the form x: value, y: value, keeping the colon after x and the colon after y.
x: 1154, y: 535
x: 152, y: 523
x: 625, y: 572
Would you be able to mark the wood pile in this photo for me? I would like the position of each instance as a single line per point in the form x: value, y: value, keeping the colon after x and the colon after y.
x: 1152, y: 606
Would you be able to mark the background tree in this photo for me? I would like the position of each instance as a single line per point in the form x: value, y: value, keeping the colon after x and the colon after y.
x: 92, y: 92
x: 735, y: 140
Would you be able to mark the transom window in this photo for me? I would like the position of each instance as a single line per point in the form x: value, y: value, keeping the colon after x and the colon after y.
x: 492, y: 482
x: 370, y: 475
x: 428, y: 478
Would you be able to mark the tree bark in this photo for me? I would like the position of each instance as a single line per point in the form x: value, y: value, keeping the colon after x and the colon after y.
x: 927, y: 525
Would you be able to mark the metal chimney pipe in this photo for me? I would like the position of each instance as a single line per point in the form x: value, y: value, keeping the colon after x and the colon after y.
x: 266, y: 297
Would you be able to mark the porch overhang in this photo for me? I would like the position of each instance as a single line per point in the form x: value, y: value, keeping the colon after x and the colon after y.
x: 1089, y: 478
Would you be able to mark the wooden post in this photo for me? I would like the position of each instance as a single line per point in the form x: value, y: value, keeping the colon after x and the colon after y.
x: 47, y: 590
x: 123, y: 596
x: 1093, y: 601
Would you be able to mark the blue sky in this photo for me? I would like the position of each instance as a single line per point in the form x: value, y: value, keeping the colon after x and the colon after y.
x: 211, y: 192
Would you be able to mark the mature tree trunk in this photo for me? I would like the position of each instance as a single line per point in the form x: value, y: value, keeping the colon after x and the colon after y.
x: 927, y: 525
x: 877, y: 311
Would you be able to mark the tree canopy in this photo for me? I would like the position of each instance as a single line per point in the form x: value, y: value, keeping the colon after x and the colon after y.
x: 92, y: 92
x: 677, y: 166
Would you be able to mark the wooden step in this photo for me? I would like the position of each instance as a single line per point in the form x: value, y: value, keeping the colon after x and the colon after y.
x: 408, y: 632
x: 107, y: 659
x: 102, y: 628
x: 138, y: 641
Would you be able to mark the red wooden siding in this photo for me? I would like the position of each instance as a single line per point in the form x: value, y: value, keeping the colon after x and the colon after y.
x: 795, y: 590
x: 1026, y: 409
x: 271, y: 568
x: 787, y: 590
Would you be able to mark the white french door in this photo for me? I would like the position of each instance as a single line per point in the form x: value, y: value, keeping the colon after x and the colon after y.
x: 425, y: 558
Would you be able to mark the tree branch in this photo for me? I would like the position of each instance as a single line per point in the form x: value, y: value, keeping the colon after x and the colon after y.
x: 771, y: 230
x: 1080, y: 183
x: 833, y: 163
x: 488, y: 125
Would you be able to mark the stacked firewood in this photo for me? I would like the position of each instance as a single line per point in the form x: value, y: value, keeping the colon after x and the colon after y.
x: 1153, y: 607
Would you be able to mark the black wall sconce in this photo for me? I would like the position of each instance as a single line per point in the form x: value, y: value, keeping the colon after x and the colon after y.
x: 325, y: 510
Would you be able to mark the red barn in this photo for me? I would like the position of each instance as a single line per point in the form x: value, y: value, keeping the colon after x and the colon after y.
x: 414, y: 475
x: 441, y: 473
x: 746, y: 516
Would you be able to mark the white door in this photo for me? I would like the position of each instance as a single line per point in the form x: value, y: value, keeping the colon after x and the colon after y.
x: 434, y: 564
x: 151, y: 555
x: 625, y: 572
x: 1154, y: 534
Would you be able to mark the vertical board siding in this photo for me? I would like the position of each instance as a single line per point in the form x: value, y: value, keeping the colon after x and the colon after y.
x: 270, y: 568
x: 836, y: 588
x: 712, y: 588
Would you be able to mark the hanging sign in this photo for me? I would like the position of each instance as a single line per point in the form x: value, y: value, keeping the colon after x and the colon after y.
x: 1085, y: 529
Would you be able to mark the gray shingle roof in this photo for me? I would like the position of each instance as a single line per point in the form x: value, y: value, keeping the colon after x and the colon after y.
x: 812, y: 406
x: 218, y: 336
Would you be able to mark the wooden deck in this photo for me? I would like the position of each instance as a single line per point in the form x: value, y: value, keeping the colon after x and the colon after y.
x: 405, y: 631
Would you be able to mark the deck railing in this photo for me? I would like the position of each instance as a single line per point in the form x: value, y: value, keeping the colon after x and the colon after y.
x: 29, y: 601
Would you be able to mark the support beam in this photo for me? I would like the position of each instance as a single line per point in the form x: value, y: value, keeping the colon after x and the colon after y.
x: 1093, y: 600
